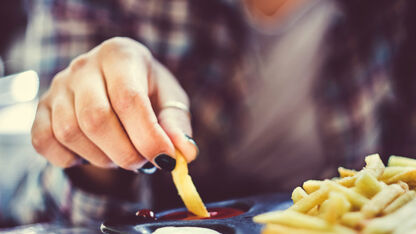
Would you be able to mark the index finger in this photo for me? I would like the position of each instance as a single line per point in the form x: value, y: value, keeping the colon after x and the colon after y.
x: 127, y: 75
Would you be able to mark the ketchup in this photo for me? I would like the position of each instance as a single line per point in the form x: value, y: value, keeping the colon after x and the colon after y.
x: 145, y: 214
x: 215, y: 213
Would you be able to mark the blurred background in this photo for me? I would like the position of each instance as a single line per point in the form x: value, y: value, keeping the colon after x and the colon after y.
x: 18, y: 100
x: 354, y: 56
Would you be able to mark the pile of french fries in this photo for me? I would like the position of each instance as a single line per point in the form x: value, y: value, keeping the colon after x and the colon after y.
x: 377, y: 199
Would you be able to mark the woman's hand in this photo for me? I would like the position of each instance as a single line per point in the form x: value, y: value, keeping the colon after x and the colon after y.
x: 107, y: 106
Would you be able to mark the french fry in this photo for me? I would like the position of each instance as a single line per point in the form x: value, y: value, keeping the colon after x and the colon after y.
x: 375, y: 200
x: 186, y: 187
x: 395, y: 161
x: 314, y: 211
x: 404, y: 185
x: 407, y: 227
x: 311, y: 186
x: 293, y: 219
x: 298, y: 194
x: 374, y: 165
x: 333, y: 208
x: 399, y: 202
x: 408, y: 177
x: 381, y: 200
x: 343, y: 172
x: 352, y: 219
x: 387, y: 224
x: 392, y: 171
x: 367, y: 185
x: 348, y: 181
x: 357, y: 200
x: 313, y: 199
x: 281, y: 229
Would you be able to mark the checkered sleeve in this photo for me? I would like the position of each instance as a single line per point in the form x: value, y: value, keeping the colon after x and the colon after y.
x: 80, y: 208
x: 57, y: 32
x: 45, y: 193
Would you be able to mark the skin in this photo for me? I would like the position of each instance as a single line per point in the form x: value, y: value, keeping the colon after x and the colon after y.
x: 105, y: 107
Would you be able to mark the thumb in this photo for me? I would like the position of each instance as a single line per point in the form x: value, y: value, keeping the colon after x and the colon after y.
x: 173, y: 111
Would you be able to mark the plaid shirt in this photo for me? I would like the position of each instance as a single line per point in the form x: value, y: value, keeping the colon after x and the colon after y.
x: 204, y: 55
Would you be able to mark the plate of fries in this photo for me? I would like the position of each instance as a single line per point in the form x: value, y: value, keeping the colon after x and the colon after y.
x: 374, y: 200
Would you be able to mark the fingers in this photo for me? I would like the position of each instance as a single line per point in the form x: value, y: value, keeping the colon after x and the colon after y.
x: 100, y: 124
x: 100, y: 108
x: 176, y: 122
x: 45, y: 143
x: 68, y: 133
x: 128, y: 86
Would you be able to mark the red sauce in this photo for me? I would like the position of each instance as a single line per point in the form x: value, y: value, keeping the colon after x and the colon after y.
x: 146, y: 214
x: 215, y: 213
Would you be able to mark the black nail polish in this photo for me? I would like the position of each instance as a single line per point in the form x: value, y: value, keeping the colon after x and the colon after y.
x: 165, y: 162
x: 190, y: 139
x: 148, y: 168
x: 83, y: 161
x: 80, y: 161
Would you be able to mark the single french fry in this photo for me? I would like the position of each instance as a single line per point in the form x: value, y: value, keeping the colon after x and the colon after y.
x: 367, y: 184
x: 399, y: 202
x: 293, y: 219
x: 313, y: 199
x: 374, y: 165
x: 186, y: 188
x: 408, y: 177
x: 395, y: 161
x: 298, y: 194
x: 343, y: 172
x: 381, y: 200
x: 352, y: 219
x: 404, y: 185
x: 311, y: 186
x: 281, y: 229
x: 392, y: 171
x: 408, y: 226
x: 357, y: 200
x: 333, y: 208
x: 348, y: 181
x: 314, y: 211
x: 387, y: 224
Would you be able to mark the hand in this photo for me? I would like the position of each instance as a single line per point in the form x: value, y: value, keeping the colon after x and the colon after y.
x: 107, y: 107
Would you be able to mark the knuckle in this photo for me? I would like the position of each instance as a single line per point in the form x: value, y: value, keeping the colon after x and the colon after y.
x: 67, y: 132
x: 78, y: 63
x: 124, y: 47
x: 101, y: 162
x: 57, y: 80
x: 41, y: 139
x: 129, y: 160
x: 91, y: 119
x: 125, y: 98
x: 116, y: 44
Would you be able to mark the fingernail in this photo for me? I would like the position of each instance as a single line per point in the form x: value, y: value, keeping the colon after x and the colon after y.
x: 190, y: 139
x: 80, y: 161
x: 165, y: 162
x: 148, y: 169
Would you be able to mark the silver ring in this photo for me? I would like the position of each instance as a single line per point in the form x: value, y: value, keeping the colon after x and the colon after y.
x: 177, y: 105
